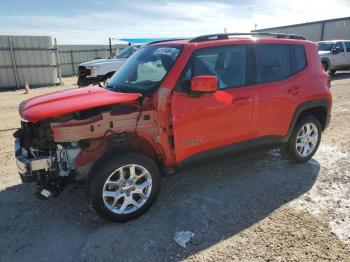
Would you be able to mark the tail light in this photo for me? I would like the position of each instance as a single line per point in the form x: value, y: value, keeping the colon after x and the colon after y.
x: 329, y: 81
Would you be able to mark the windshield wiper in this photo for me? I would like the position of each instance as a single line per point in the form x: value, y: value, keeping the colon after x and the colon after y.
x: 114, y: 88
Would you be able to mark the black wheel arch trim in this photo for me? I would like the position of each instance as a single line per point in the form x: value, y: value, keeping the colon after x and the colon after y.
x: 326, y: 60
x: 305, y: 106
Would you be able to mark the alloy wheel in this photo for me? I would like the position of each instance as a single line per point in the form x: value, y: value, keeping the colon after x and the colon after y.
x: 127, y: 189
x: 307, y: 139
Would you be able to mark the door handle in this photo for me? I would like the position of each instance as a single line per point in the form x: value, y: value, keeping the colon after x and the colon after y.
x: 294, y: 90
x: 241, y: 99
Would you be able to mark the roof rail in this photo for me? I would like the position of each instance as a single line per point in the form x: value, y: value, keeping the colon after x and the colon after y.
x: 226, y: 36
x: 167, y: 40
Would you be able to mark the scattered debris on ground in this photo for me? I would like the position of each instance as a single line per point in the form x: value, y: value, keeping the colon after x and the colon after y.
x: 183, y: 237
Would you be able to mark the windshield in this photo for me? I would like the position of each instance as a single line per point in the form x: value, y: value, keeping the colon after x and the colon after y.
x: 325, y: 46
x: 145, y: 70
x: 126, y: 52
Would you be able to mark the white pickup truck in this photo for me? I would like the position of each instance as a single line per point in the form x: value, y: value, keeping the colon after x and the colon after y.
x: 335, y: 55
x: 100, y: 70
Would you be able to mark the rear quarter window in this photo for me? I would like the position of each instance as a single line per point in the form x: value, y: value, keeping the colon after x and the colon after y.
x: 273, y: 62
x: 276, y: 62
x: 340, y: 46
x: 347, y: 46
x: 298, y: 57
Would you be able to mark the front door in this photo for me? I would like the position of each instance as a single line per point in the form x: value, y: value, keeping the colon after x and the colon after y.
x: 339, y: 59
x: 213, y: 120
x: 347, y: 52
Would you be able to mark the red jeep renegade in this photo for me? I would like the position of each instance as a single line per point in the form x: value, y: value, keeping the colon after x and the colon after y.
x: 171, y: 103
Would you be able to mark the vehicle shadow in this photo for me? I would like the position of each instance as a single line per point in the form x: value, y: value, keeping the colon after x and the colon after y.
x: 340, y: 75
x: 215, y: 201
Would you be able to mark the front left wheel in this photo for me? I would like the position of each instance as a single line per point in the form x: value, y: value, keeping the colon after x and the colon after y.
x: 124, y: 187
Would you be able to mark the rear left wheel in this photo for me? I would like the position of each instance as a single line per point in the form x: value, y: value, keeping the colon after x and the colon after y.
x: 304, y: 141
x: 123, y: 188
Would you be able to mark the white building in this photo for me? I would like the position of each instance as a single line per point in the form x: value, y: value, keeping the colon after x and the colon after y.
x: 331, y: 29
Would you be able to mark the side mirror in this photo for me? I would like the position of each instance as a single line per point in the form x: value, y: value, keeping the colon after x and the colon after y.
x: 204, y: 84
x: 335, y: 50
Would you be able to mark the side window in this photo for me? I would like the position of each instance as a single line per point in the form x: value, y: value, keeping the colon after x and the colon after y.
x: 340, y: 46
x: 347, y: 46
x: 228, y: 64
x: 299, y: 58
x: 273, y: 62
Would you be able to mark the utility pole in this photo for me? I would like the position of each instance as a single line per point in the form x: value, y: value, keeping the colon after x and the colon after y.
x: 110, y: 47
x: 58, y: 62
x: 255, y: 26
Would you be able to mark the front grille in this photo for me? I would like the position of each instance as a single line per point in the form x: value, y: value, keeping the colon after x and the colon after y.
x: 28, y: 129
x: 36, y: 134
x: 83, y: 71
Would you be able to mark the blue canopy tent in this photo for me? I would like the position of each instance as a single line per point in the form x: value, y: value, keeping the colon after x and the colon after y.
x: 141, y: 40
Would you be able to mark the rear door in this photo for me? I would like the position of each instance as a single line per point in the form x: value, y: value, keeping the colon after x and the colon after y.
x: 217, y: 119
x: 278, y: 87
x: 339, y: 59
x: 347, y: 53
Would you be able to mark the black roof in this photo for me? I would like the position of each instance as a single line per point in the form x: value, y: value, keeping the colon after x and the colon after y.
x: 204, y: 38
x: 222, y: 36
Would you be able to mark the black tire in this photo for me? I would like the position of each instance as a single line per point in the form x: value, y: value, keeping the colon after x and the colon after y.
x: 326, y: 66
x: 102, y: 171
x: 107, y: 76
x: 290, y: 152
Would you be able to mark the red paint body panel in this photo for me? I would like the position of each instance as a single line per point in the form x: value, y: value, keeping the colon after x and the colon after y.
x: 274, y: 106
x: 276, y: 102
x: 197, y: 124
x: 69, y: 101
x: 212, y: 120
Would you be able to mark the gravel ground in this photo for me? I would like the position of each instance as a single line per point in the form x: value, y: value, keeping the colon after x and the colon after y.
x: 251, y: 207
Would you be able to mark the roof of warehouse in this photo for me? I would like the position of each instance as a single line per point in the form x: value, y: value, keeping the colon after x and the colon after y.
x: 308, y: 23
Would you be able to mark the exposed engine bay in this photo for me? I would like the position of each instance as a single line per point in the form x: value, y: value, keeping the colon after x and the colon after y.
x: 57, y: 151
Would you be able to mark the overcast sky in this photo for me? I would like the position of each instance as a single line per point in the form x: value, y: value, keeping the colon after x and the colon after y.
x: 93, y: 21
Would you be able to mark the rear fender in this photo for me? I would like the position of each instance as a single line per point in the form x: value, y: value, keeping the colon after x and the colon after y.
x: 305, y: 106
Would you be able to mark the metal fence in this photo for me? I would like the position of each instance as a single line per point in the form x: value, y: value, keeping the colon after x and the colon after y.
x: 41, y: 62
x: 73, y: 55
x: 28, y: 58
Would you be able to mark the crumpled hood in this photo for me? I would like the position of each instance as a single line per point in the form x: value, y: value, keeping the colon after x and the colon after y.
x: 72, y: 100
x: 100, y: 62
x: 324, y: 53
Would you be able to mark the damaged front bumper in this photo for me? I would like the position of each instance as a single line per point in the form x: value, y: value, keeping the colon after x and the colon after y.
x: 29, y: 166
x: 51, y: 170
